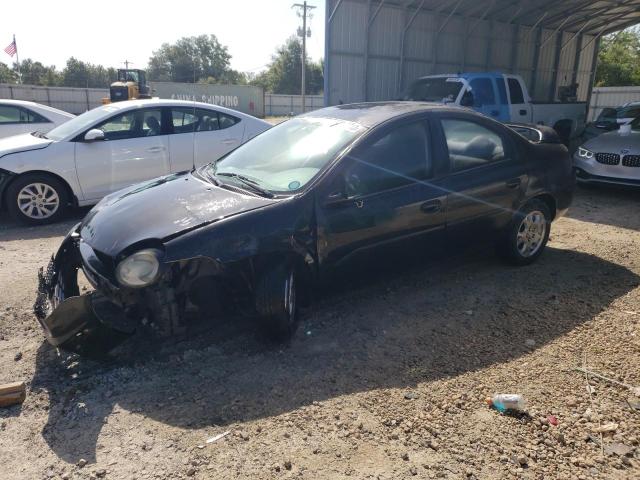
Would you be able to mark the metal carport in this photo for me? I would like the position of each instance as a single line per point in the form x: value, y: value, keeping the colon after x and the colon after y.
x: 374, y: 48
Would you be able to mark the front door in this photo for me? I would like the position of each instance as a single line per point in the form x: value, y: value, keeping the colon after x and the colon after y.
x: 485, y: 99
x: 382, y: 197
x: 486, y: 179
x: 135, y: 149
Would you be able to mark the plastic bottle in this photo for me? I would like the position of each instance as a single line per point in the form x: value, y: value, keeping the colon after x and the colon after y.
x: 507, y: 401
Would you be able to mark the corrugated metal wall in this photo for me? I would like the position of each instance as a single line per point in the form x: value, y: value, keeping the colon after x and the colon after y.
x: 72, y: 100
x: 280, y: 105
x: 611, y: 97
x: 367, y: 61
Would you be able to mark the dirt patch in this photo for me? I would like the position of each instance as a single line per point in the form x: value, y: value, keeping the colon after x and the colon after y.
x: 386, y: 378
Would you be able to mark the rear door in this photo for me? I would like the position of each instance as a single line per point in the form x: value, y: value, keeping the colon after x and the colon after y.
x: 382, y: 197
x: 135, y: 148
x: 200, y: 136
x: 15, y: 120
x: 519, y: 105
x: 486, y: 179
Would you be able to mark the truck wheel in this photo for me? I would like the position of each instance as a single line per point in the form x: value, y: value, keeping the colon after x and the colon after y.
x: 276, y: 301
x: 37, y: 199
x: 527, y: 235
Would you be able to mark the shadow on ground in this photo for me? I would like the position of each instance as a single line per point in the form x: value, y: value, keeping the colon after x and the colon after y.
x: 601, y: 204
x: 10, y: 230
x: 398, y: 327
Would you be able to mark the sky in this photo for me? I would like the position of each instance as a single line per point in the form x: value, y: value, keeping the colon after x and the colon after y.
x: 110, y: 32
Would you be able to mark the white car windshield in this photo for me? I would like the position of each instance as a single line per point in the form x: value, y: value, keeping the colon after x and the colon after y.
x: 80, y: 123
x: 289, y: 155
x: 434, y: 89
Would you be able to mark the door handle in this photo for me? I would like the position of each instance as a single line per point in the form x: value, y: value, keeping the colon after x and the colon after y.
x: 155, y: 149
x: 513, y: 183
x: 523, y: 112
x: 432, y: 206
x: 229, y: 141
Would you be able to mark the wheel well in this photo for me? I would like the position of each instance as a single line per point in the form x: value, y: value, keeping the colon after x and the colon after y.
x: 549, y: 201
x: 563, y: 128
x: 72, y: 197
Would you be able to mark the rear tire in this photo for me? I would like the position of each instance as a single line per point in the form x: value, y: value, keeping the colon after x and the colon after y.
x: 37, y: 199
x: 277, y: 301
x: 526, y: 237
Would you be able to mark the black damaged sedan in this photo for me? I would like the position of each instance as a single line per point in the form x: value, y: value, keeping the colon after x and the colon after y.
x: 265, y: 222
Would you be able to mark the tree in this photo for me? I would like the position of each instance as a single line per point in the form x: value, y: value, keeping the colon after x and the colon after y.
x: 35, y: 73
x: 284, y: 73
x: 190, y: 58
x: 83, y: 74
x: 7, y: 75
x: 619, y: 59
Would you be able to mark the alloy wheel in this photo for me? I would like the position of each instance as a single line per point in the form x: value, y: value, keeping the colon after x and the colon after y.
x: 38, y: 201
x: 531, y: 233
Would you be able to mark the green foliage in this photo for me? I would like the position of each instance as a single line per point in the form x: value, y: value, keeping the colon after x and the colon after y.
x: 83, y: 74
x: 35, y: 73
x: 284, y: 74
x: 619, y: 59
x: 7, y: 75
x: 189, y: 59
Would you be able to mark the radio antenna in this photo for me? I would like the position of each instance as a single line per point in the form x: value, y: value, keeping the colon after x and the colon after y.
x: 193, y: 134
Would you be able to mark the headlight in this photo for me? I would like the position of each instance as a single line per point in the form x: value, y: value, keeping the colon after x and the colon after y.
x: 584, y: 153
x: 139, y: 269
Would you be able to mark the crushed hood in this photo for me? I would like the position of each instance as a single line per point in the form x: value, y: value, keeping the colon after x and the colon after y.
x: 22, y: 143
x: 161, y: 208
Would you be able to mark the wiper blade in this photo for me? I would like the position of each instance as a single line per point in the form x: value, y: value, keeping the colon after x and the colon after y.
x: 39, y: 134
x: 249, y: 182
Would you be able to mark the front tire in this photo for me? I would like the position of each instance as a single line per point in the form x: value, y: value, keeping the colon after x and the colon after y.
x: 277, y: 301
x: 528, y: 234
x: 37, y: 199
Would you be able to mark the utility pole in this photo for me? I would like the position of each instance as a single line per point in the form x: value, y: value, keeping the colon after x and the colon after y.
x: 126, y: 64
x: 304, y: 11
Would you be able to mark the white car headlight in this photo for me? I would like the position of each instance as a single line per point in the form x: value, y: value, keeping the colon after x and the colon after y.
x: 584, y: 153
x: 139, y: 269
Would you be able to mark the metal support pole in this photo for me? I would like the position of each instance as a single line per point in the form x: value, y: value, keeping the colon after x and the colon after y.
x: 370, y: 19
x: 592, y: 76
x: 536, y: 57
x: 489, y: 49
x: 402, y: 42
x: 434, y: 56
x: 556, y: 67
x: 515, y: 42
x: 576, y: 59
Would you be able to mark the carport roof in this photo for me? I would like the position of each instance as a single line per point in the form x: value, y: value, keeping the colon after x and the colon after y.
x: 587, y: 16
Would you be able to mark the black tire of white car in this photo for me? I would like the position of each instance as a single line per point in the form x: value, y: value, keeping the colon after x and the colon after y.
x: 528, y: 234
x: 37, y: 199
x: 276, y: 301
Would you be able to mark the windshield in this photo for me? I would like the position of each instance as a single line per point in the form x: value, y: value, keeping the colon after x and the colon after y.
x: 439, y: 89
x: 80, y: 123
x: 612, y: 115
x: 286, y: 157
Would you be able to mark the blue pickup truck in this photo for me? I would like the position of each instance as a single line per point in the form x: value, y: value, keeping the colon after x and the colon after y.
x: 501, y: 96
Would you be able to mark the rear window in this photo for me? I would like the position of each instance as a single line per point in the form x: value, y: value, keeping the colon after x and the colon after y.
x: 515, y: 91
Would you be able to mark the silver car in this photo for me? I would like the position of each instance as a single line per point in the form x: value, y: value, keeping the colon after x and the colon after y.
x: 612, y: 157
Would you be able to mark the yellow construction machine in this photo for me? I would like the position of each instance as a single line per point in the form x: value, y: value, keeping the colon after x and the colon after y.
x: 131, y: 85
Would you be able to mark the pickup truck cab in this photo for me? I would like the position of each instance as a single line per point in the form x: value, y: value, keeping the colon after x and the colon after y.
x: 502, y: 97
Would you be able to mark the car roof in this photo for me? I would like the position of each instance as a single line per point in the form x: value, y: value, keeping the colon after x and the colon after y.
x: 162, y: 102
x: 35, y: 105
x: 370, y: 114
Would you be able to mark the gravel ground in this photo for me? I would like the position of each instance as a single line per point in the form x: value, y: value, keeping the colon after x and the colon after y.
x: 386, y: 377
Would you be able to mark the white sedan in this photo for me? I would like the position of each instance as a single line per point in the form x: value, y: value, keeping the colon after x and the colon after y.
x: 111, y: 147
x: 20, y: 116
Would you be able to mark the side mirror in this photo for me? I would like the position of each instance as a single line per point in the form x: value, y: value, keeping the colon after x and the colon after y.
x: 93, y: 135
x: 467, y: 100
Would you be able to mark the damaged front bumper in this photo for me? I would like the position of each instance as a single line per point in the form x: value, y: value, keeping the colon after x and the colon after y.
x: 88, y: 323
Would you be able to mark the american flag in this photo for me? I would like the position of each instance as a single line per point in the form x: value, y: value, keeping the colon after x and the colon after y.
x: 12, y: 48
